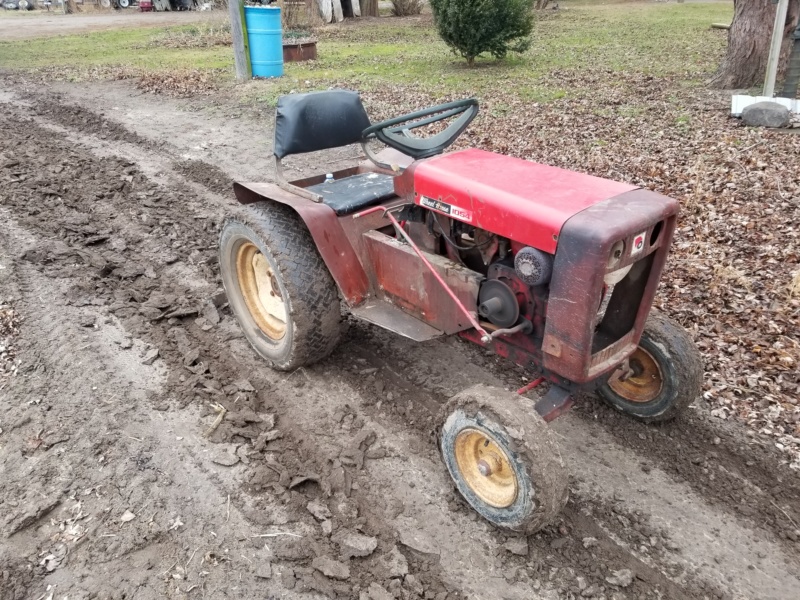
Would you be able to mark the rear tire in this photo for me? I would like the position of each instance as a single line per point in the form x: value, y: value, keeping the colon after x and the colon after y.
x: 667, y: 374
x: 503, y: 458
x: 280, y: 290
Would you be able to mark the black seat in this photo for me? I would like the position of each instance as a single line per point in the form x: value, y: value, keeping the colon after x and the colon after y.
x: 318, y: 121
x: 351, y: 194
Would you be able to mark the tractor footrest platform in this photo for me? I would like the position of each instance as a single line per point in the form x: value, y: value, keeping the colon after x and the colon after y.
x: 350, y: 194
x: 392, y: 318
x: 554, y: 403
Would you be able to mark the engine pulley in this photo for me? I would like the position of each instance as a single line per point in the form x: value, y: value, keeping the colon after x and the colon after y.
x: 498, y: 303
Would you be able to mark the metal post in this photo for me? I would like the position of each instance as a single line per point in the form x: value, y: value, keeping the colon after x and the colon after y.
x: 241, y: 49
x: 792, y: 79
x: 775, y: 48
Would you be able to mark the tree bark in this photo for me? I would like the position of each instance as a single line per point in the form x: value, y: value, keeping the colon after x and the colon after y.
x: 745, y: 64
x: 369, y: 8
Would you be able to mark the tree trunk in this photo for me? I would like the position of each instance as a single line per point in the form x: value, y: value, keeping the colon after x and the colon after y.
x: 325, y: 10
x: 745, y: 64
x: 369, y: 8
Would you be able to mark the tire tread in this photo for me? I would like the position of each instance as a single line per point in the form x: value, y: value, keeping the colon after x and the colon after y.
x: 530, y: 438
x: 314, y: 298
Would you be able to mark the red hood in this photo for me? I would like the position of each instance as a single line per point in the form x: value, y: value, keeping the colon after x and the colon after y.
x: 521, y: 200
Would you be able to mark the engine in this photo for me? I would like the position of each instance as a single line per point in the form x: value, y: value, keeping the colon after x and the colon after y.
x: 514, y: 293
x: 551, y: 246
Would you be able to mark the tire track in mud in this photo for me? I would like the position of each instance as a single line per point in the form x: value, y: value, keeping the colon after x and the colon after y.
x: 658, y: 542
x: 419, y: 500
x: 672, y: 536
x: 750, y: 482
x: 77, y: 396
x: 138, y: 300
x: 677, y: 463
x: 415, y: 413
x: 719, y: 463
x: 455, y: 531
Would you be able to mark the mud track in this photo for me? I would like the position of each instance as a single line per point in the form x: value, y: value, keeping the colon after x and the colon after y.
x: 319, y: 483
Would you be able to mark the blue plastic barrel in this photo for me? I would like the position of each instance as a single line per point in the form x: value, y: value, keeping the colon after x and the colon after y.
x: 263, y: 24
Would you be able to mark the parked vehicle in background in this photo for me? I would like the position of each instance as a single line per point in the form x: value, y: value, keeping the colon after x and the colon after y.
x: 18, y: 5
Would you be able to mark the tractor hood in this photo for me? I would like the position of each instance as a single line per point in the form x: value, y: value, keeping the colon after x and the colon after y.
x: 521, y: 200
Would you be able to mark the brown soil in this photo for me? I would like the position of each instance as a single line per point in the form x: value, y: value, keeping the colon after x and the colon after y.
x: 116, y: 485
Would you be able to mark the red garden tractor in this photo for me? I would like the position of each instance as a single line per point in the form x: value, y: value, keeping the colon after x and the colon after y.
x: 551, y: 269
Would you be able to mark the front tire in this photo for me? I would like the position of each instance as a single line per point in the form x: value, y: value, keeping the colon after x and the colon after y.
x: 665, y: 377
x: 503, y: 458
x: 278, y: 287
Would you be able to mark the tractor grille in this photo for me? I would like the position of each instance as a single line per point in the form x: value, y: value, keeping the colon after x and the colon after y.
x: 617, y: 313
x: 609, y: 352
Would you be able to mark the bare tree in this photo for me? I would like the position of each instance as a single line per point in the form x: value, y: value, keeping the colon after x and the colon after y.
x: 745, y: 63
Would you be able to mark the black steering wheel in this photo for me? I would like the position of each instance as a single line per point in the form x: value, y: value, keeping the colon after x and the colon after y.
x: 397, y: 132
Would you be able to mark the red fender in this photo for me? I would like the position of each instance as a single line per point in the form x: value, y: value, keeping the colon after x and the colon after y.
x: 325, y: 229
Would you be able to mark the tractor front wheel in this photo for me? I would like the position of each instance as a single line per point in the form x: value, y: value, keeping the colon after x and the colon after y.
x: 278, y: 287
x: 663, y: 376
x: 503, y: 458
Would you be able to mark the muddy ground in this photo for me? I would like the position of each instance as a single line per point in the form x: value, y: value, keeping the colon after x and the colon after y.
x: 324, y: 482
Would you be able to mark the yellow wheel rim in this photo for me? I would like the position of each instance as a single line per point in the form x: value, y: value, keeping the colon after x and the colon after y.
x: 644, y: 382
x: 262, y: 295
x: 486, y: 468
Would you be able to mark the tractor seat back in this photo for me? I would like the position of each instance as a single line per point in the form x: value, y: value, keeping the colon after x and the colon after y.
x: 323, y: 120
x: 318, y: 121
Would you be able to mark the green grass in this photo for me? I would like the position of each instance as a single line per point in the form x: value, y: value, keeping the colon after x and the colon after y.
x: 657, y: 39
x: 19, y: 14
x: 117, y: 47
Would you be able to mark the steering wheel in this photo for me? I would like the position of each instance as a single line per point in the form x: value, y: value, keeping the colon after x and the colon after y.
x: 397, y: 132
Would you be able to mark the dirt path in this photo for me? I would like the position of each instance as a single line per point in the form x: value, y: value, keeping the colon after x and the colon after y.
x: 319, y: 483
x: 44, y: 24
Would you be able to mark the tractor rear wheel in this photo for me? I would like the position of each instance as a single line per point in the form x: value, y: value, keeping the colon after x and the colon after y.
x: 278, y: 286
x: 665, y: 374
x: 503, y: 458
